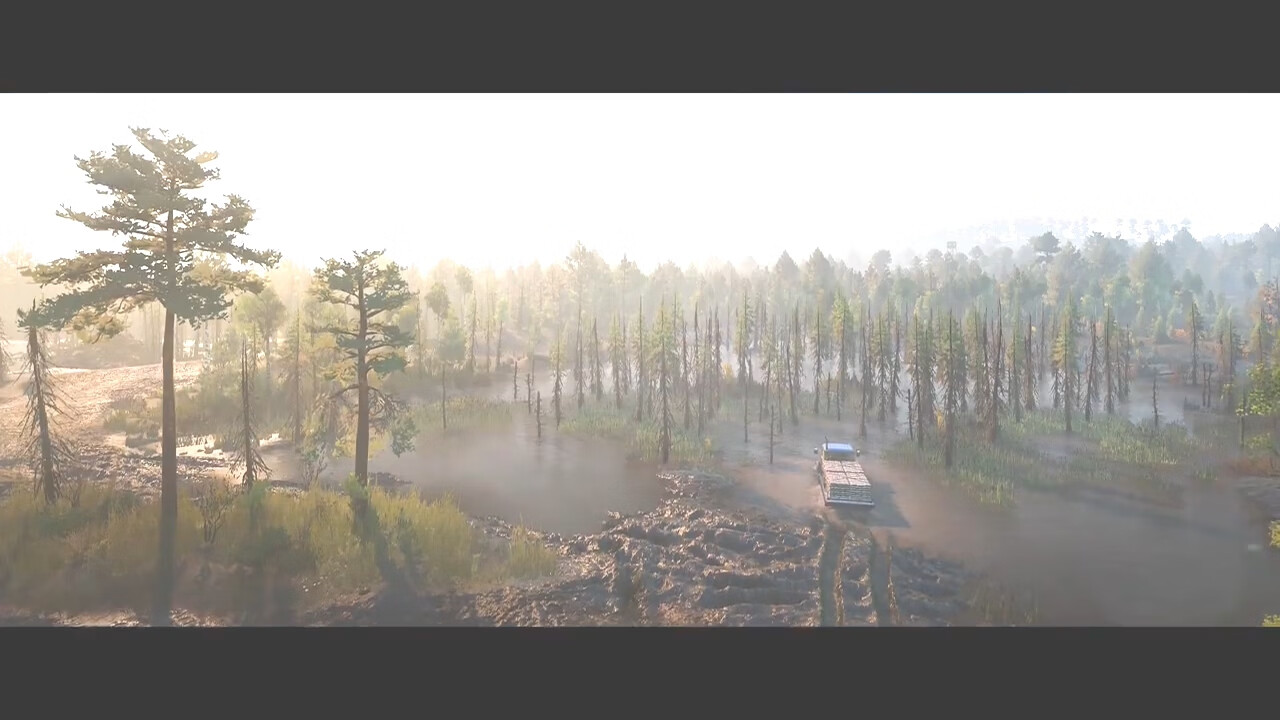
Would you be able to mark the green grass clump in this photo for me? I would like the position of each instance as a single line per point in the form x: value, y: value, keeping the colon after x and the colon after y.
x: 640, y: 438
x: 465, y: 412
x: 1101, y: 452
x: 983, y: 471
x: 101, y: 552
x: 1118, y: 440
x: 528, y: 557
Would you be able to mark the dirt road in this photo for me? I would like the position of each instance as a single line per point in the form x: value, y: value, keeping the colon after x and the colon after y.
x: 86, y: 400
x: 87, y: 395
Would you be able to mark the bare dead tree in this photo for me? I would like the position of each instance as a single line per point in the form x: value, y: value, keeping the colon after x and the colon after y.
x: 684, y: 372
x: 911, y: 416
x: 1155, y: 401
x: 1091, y: 373
x: 772, y: 423
x: 247, y: 462
x: 48, y: 455
x: 214, y: 499
x: 1207, y: 394
x: 664, y: 392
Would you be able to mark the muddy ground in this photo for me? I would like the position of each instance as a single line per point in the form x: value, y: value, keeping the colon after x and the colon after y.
x: 715, y: 550
x: 750, y: 544
x: 703, y: 558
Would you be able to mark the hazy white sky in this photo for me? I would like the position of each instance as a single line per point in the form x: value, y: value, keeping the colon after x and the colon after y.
x: 490, y: 178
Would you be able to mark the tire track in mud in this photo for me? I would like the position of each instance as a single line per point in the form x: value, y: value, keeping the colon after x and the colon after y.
x: 830, y: 586
x: 880, y: 578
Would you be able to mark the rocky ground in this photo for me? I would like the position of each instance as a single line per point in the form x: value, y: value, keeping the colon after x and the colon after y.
x: 694, y: 561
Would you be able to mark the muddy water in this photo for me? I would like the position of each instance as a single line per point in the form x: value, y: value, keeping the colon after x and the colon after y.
x: 1105, y: 556
x: 555, y: 484
x: 1094, y: 558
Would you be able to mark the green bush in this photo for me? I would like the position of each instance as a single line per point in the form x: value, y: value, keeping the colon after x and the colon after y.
x: 528, y: 557
x: 101, y: 553
x: 466, y: 412
x: 640, y: 438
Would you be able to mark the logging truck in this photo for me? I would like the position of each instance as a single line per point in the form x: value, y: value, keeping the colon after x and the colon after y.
x: 841, y: 477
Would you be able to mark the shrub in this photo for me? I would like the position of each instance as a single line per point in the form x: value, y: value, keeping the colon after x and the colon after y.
x: 529, y: 558
x: 101, y: 553
x: 640, y: 439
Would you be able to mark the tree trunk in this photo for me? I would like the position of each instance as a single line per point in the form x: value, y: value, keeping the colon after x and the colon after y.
x: 911, y: 416
x: 866, y: 377
x: 641, y: 379
x: 993, y: 428
x: 1155, y: 403
x: 950, y: 445
x: 163, y: 606
x: 771, y: 424
x: 684, y: 373
x: 39, y: 391
x: 297, y: 384
x: 246, y: 418
x: 362, y: 401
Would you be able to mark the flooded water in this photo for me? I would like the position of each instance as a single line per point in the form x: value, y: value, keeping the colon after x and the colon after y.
x: 1092, y: 556
x: 1096, y: 558
x: 556, y: 484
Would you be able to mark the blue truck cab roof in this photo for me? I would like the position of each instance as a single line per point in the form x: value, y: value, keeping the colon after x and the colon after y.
x: 838, y: 447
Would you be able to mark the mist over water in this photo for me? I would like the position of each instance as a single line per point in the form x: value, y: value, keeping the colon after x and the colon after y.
x: 556, y: 483
x: 1093, y: 558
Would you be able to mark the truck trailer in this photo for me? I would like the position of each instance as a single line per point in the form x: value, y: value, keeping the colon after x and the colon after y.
x: 841, y: 477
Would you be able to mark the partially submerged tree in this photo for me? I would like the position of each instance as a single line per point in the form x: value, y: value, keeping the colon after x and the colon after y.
x: 1108, y: 337
x: 1065, y: 362
x: 293, y: 379
x: 247, y: 462
x: 557, y: 389
x: 1195, y: 330
x: 993, y: 406
x: 1091, y: 373
x: 1029, y: 374
x: 167, y: 230
x: 597, y: 374
x: 951, y: 381
x: 371, y: 346
x: 664, y: 385
x: 617, y: 353
x: 642, y: 378
x: 47, y: 453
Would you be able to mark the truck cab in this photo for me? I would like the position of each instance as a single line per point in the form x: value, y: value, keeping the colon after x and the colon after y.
x: 835, y: 451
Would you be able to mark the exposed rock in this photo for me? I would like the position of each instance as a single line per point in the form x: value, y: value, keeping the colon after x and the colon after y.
x: 688, y: 562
